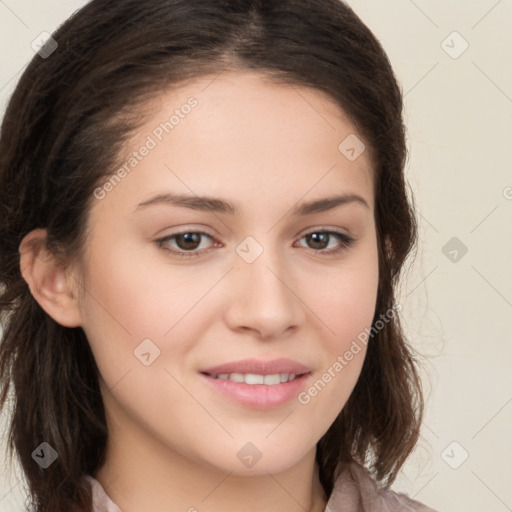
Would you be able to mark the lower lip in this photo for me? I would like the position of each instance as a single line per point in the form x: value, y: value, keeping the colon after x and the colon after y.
x: 259, y: 396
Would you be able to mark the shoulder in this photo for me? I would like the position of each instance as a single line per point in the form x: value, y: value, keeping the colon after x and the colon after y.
x: 355, y: 490
x: 100, y: 500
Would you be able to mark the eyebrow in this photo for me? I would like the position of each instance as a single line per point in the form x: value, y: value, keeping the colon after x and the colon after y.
x: 217, y: 205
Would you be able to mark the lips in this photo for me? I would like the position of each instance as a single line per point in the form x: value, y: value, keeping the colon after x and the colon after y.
x: 258, y: 384
x: 258, y: 367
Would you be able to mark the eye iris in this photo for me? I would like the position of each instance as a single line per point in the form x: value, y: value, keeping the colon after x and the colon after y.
x: 321, y: 238
x: 189, y: 238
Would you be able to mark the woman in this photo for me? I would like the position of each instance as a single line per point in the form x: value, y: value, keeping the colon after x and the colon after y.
x: 204, y: 216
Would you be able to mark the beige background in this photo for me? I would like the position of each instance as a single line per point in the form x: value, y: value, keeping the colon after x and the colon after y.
x: 459, y: 117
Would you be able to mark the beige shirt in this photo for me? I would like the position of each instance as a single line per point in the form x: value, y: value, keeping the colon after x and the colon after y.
x: 354, y: 491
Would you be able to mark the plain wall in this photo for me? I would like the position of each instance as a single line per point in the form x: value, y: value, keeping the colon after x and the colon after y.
x: 457, y: 306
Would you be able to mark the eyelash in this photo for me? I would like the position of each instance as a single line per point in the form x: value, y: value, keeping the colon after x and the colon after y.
x: 345, y: 243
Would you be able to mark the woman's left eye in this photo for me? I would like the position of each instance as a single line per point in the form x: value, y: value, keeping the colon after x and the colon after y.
x: 187, y: 243
x: 323, y: 237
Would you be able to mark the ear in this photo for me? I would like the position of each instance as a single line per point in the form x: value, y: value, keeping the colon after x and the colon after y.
x: 50, y: 282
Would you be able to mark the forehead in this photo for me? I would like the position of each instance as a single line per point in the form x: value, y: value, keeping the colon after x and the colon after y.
x: 238, y: 133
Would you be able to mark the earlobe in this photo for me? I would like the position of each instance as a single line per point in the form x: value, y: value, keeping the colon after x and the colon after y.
x: 48, y: 279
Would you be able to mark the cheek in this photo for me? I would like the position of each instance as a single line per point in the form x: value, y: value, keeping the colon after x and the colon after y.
x: 133, y: 293
x: 348, y: 305
x: 350, y: 317
x: 129, y: 301
x: 347, y: 308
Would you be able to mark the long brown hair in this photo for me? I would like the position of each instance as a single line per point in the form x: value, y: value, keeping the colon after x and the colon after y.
x: 63, y: 131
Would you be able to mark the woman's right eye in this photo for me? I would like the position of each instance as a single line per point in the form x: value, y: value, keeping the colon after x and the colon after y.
x: 186, y: 242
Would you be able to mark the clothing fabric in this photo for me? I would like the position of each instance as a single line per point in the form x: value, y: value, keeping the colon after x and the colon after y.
x: 354, y: 491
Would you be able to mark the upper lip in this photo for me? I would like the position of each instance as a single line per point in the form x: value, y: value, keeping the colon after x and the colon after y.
x: 259, y: 367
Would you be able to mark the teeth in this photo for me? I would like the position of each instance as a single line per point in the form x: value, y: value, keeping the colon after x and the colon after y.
x: 252, y: 378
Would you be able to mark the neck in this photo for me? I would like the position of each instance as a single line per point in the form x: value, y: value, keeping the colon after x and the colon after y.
x: 143, y: 483
x: 151, y: 476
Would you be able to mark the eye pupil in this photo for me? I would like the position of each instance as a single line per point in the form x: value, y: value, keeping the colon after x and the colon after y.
x: 189, y: 238
x: 321, y: 238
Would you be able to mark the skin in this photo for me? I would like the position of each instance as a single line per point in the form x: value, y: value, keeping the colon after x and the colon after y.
x: 173, y: 441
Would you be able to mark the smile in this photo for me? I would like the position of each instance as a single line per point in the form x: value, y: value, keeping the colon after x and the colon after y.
x: 253, y: 378
x: 258, y: 391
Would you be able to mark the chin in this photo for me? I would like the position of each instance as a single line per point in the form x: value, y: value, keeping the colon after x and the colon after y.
x: 261, y: 457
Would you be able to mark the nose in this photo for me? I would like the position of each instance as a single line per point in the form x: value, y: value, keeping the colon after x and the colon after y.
x: 264, y: 298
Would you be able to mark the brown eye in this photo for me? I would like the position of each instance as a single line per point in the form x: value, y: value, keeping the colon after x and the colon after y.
x: 319, y: 241
x: 188, y: 241
x: 184, y: 244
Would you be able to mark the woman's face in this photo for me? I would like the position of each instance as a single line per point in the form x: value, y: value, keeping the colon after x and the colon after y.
x: 244, y: 167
